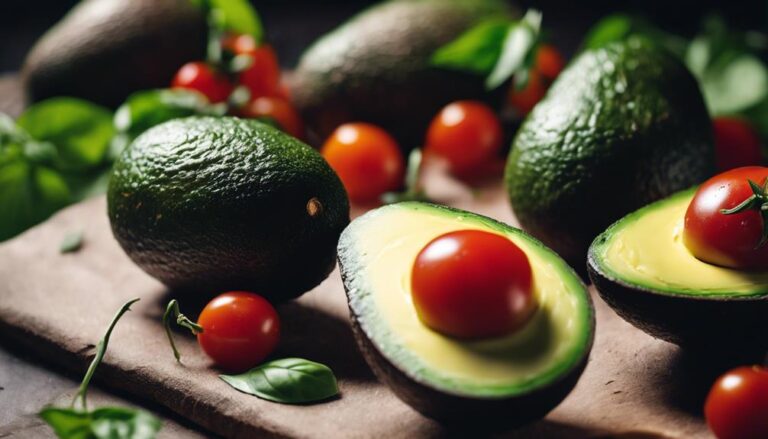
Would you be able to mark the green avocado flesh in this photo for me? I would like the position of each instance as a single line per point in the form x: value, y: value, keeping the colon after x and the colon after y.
x: 376, y: 253
x: 217, y: 204
x: 645, y: 249
x: 621, y: 127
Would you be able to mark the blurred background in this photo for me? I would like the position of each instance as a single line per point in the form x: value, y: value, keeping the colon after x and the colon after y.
x: 293, y: 25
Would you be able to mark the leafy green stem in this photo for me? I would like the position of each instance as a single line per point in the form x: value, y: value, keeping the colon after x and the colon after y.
x: 757, y: 201
x: 172, y: 310
x: 101, y: 349
x: 413, y: 190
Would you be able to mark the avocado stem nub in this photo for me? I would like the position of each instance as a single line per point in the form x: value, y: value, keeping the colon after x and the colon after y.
x: 314, y: 207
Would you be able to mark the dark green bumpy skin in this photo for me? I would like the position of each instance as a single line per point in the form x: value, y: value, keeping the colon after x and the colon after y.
x: 376, y: 68
x: 215, y: 204
x: 621, y: 127
x: 104, y: 50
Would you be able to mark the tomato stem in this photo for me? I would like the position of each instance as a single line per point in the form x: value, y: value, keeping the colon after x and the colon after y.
x: 173, y: 310
x: 101, y: 349
x: 413, y: 190
x: 757, y: 201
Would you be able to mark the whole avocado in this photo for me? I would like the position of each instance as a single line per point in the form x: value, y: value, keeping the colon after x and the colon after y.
x: 623, y: 125
x: 103, y: 50
x: 210, y: 204
x: 376, y: 68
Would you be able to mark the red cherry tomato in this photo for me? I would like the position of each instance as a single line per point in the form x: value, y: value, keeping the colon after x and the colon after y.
x: 240, y: 330
x: 467, y: 134
x: 203, y: 78
x: 278, y: 109
x: 238, y: 44
x: 736, y: 143
x: 262, y: 78
x: 367, y: 160
x: 737, y: 404
x: 472, y: 284
x: 549, y: 63
x: 727, y: 240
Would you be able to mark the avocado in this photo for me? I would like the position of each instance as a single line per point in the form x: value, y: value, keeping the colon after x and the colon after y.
x: 210, y: 204
x: 622, y: 126
x: 508, y: 380
x: 104, y: 50
x: 644, y: 271
x: 376, y: 68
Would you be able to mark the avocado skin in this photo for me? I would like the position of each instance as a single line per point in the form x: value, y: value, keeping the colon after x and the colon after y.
x: 103, y: 50
x: 621, y: 127
x: 462, y: 411
x: 376, y: 68
x: 455, y: 410
x: 214, y: 204
x: 697, y: 323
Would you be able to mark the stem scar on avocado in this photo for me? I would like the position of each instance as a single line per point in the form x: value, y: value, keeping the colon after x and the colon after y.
x: 314, y: 207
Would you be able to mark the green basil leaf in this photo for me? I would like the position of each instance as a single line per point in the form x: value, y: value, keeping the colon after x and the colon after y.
x: 476, y: 50
x: 618, y: 27
x: 28, y: 195
x: 145, y: 109
x: 736, y: 86
x: 81, y: 131
x: 102, y: 423
x: 72, y: 242
x: 518, y: 50
x: 288, y: 381
x: 236, y: 16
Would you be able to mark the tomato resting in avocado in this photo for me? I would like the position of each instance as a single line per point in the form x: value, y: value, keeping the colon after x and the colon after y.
x: 725, y: 222
x: 472, y: 284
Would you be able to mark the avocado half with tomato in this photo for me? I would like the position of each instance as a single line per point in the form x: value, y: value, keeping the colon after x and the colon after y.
x: 506, y: 380
x: 643, y: 269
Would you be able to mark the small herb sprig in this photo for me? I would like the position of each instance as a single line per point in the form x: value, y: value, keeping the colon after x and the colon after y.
x: 76, y: 421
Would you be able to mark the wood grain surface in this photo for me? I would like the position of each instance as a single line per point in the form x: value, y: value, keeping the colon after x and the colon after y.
x: 58, y: 306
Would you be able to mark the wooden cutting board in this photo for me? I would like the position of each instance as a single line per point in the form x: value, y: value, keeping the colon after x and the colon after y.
x: 58, y: 306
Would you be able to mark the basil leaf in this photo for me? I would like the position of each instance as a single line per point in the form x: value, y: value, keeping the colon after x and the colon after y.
x: 233, y: 15
x: 81, y: 131
x: 476, y: 50
x: 145, y: 109
x: 288, y: 381
x: 619, y: 27
x: 517, y: 53
x: 28, y: 195
x: 72, y: 242
x: 105, y: 422
x: 735, y: 86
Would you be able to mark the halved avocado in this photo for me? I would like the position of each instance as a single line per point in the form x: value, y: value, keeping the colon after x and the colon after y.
x: 506, y: 381
x: 644, y: 271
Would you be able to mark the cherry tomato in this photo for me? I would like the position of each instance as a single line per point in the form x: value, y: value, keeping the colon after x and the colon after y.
x: 240, y: 330
x: 736, y: 143
x: 549, y: 63
x: 467, y: 134
x: 203, y: 78
x: 472, y: 284
x: 727, y: 240
x: 278, y: 109
x: 238, y: 44
x: 262, y: 78
x: 737, y: 404
x: 367, y: 160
